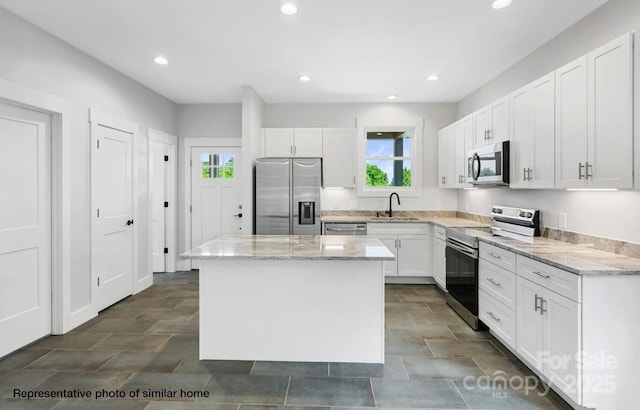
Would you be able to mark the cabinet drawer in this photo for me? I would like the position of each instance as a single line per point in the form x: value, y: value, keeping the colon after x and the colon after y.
x: 500, y: 319
x: 557, y: 280
x: 398, y: 228
x: 497, y: 282
x: 440, y: 232
x: 498, y: 256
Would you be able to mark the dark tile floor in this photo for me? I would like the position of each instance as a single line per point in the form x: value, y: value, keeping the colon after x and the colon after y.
x: 147, y: 345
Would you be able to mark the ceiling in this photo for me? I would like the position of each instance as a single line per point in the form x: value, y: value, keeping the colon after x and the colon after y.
x: 353, y: 50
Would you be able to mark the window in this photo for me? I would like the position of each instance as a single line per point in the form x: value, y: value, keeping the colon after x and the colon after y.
x: 389, y: 157
x: 217, y: 166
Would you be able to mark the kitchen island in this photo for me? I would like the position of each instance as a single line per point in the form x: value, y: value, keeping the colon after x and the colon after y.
x: 302, y: 298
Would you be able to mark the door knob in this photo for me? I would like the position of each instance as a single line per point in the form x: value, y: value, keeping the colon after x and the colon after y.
x: 238, y: 215
x: 130, y: 222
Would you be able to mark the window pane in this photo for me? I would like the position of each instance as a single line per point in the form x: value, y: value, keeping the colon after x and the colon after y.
x: 385, y: 173
x: 388, y: 144
x: 228, y: 173
x: 227, y: 160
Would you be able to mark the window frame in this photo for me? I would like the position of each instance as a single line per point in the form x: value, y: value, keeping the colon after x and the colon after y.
x: 412, y: 125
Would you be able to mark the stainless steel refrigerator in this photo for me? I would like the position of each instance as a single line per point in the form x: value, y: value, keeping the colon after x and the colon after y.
x: 287, y: 193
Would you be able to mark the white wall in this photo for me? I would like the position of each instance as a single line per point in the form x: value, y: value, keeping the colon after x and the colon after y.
x: 435, y: 117
x: 202, y: 120
x: 35, y: 59
x: 253, y: 108
x: 611, y: 214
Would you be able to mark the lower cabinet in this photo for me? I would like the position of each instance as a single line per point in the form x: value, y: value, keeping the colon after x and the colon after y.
x: 410, y: 243
x: 439, y: 257
x: 549, y: 335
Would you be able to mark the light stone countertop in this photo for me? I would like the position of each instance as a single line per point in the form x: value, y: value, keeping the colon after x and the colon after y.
x: 581, y: 259
x: 444, y: 221
x: 292, y: 247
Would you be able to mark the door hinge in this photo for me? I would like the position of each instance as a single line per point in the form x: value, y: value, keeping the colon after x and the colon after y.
x: 98, y: 212
x: 98, y: 144
x: 166, y: 204
x: 166, y: 250
x: 166, y: 158
x: 98, y: 281
x: 190, y: 208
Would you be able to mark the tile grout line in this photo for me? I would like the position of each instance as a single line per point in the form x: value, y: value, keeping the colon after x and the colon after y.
x: 286, y: 394
x: 460, y: 394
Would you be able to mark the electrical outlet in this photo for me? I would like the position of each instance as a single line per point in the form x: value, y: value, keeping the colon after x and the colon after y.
x: 466, y: 206
x: 438, y: 204
x: 562, y: 220
x: 336, y: 205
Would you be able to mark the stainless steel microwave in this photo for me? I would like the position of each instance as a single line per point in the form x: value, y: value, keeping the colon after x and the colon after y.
x: 489, y: 165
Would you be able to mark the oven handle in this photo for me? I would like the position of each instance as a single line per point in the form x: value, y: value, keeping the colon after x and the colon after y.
x: 464, y: 250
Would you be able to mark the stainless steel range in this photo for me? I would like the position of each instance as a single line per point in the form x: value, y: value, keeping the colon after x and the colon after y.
x: 462, y: 256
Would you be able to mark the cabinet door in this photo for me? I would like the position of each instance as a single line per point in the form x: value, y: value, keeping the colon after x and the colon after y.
x: 610, y: 137
x: 529, y: 322
x: 543, y: 133
x: 463, y: 131
x: 521, y: 124
x: 390, y: 268
x: 413, y: 252
x: 307, y: 142
x: 499, y: 127
x: 443, y: 157
x: 481, y: 124
x: 562, y: 322
x: 338, y: 157
x: 571, y: 124
x: 278, y: 142
x: 440, y: 263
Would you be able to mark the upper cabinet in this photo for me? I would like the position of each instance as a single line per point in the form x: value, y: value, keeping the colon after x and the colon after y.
x: 338, y: 156
x: 453, y: 143
x: 491, y: 123
x: 292, y: 142
x: 533, y: 134
x: 594, y: 140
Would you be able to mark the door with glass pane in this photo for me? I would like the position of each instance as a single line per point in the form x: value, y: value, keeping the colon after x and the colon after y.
x: 215, y: 194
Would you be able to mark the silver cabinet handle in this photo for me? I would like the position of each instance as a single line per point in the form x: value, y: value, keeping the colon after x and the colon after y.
x: 524, y: 174
x: 495, y: 256
x: 354, y: 180
x: 494, y: 282
x: 485, y: 134
x: 399, y: 243
x: 541, y: 275
x: 395, y: 241
x: 489, y: 132
x: 529, y: 174
x: 493, y: 316
x: 587, y: 168
x: 542, y: 309
x: 536, y: 302
x: 580, y: 167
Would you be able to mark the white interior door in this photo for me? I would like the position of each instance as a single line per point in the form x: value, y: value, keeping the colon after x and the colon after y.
x: 25, y: 227
x: 112, y: 236
x: 158, y: 178
x: 215, y: 194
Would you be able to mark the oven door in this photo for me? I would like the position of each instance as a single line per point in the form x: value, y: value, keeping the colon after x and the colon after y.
x: 462, y: 275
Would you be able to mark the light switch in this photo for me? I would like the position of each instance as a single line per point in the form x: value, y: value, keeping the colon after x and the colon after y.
x: 562, y: 220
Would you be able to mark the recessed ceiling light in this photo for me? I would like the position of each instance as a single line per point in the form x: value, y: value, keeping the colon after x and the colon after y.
x: 289, y: 9
x: 500, y: 4
x: 433, y: 77
x: 392, y: 97
x: 304, y: 78
x: 161, y: 60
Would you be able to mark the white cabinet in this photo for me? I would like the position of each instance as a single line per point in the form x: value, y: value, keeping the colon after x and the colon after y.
x: 338, y: 156
x: 292, y: 142
x: 453, y: 143
x: 497, y: 292
x: 491, y: 123
x: 439, y: 256
x: 594, y: 141
x: 409, y: 242
x: 548, y: 335
x: 446, y: 157
x: 533, y: 134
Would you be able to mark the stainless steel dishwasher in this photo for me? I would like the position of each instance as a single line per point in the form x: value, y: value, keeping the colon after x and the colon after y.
x: 341, y: 228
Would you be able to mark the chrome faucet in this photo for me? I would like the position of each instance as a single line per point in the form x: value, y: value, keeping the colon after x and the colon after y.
x: 390, y: 211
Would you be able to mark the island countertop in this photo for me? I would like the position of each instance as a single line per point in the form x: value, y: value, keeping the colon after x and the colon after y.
x: 292, y: 247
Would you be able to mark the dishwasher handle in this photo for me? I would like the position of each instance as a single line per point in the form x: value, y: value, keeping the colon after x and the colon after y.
x: 346, y: 230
